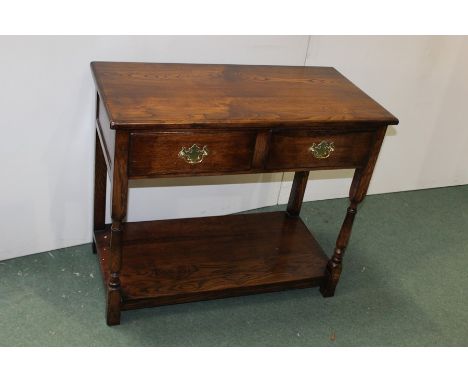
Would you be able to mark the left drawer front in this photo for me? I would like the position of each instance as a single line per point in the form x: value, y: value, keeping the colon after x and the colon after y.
x: 153, y: 154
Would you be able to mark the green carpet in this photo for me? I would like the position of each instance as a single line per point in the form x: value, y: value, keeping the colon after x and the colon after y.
x: 404, y: 283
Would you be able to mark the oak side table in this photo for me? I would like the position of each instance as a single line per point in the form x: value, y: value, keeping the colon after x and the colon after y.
x: 170, y: 120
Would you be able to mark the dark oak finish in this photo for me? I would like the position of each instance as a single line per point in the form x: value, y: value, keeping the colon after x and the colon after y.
x: 100, y: 185
x: 290, y: 150
x: 139, y: 95
x: 297, y: 193
x: 157, y: 153
x: 118, y: 213
x: 261, y: 150
x: 358, y: 191
x: 159, y: 120
x: 192, y: 259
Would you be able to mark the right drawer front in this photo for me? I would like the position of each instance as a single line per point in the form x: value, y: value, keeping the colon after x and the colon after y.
x: 293, y: 150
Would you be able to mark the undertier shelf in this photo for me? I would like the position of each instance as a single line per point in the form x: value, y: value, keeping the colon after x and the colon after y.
x: 183, y: 260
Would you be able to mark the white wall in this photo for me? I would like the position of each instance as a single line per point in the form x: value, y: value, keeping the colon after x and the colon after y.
x: 423, y: 80
x: 46, y: 120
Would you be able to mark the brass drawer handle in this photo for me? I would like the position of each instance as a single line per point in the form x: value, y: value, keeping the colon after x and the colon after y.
x: 194, y: 154
x: 322, y: 150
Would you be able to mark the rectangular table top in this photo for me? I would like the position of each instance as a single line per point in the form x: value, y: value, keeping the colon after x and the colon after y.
x: 152, y: 95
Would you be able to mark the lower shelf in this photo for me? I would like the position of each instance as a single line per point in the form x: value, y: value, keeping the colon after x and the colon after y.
x: 183, y: 260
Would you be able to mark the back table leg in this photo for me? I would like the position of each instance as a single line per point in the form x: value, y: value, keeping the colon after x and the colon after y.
x: 100, y: 183
x: 297, y: 193
x: 358, y: 191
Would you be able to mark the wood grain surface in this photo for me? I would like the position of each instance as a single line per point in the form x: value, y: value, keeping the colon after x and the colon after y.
x: 142, y: 95
x: 158, y: 153
x: 291, y: 150
x: 172, y: 261
x: 156, y: 120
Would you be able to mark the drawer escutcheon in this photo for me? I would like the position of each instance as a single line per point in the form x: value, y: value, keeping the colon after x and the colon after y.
x: 194, y: 154
x: 322, y: 150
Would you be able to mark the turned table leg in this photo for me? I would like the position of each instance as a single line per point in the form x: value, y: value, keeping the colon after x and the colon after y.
x: 119, y: 211
x: 334, y: 266
x: 113, y: 288
x: 358, y: 191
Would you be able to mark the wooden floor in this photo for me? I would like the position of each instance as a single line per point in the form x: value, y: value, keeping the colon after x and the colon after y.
x: 175, y: 261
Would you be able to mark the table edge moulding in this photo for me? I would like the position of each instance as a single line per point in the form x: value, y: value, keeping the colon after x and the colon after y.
x: 174, y: 120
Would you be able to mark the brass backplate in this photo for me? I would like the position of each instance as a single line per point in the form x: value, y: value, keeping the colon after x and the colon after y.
x: 322, y: 150
x: 194, y: 154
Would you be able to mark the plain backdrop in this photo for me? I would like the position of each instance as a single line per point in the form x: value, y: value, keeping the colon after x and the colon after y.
x: 47, y: 146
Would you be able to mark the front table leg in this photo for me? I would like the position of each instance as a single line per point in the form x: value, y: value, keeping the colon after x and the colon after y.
x: 334, y: 265
x: 114, y: 296
x: 358, y: 191
x: 119, y: 211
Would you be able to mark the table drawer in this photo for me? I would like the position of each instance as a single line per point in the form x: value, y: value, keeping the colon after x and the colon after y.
x: 186, y: 153
x: 293, y: 150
